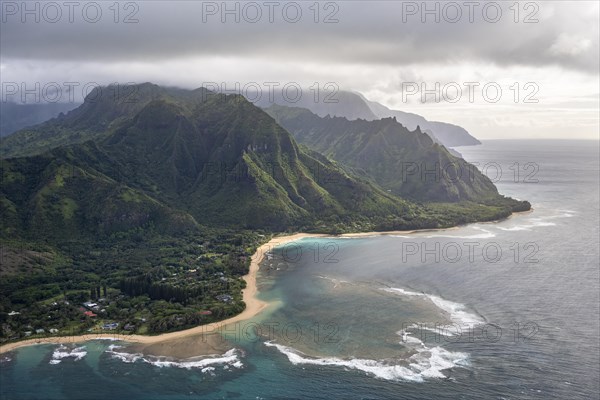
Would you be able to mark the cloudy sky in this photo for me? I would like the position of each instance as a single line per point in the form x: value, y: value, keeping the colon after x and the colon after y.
x: 499, y: 69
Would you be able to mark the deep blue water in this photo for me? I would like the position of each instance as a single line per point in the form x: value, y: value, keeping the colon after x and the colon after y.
x: 521, y: 299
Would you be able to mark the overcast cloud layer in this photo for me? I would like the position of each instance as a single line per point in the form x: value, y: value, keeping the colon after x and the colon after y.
x: 374, y: 47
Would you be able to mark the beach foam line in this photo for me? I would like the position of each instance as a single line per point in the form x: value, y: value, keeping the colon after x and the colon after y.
x: 62, y: 352
x: 231, y: 358
x: 541, y: 221
x: 457, y: 311
x: 485, y: 235
x: 534, y: 223
x: 336, y: 282
x: 253, y: 305
x: 426, y: 363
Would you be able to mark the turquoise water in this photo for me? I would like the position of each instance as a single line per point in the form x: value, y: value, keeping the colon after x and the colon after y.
x: 498, y: 310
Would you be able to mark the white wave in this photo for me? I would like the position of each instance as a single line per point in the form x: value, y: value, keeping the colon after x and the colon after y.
x: 404, y: 292
x: 349, y: 237
x: 457, y: 311
x: 440, y: 330
x: 230, y: 358
x: 336, y: 282
x: 535, y: 223
x: 557, y: 214
x: 515, y: 228
x: 426, y: 363
x: 541, y: 221
x: 485, y: 235
x: 407, y: 337
x: 5, y: 359
x: 62, y: 352
x: 564, y: 214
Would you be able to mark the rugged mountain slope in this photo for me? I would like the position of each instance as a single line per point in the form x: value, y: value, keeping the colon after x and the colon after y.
x: 217, y: 158
x: 175, y: 159
x: 447, y: 134
x: 161, y: 201
x: 409, y: 163
x: 103, y: 109
x: 354, y: 106
x: 49, y: 197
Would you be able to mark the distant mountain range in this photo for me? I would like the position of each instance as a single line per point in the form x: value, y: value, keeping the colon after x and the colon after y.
x: 352, y: 105
x: 174, y: 160
x: 409, y: 163
x: 15, y: 116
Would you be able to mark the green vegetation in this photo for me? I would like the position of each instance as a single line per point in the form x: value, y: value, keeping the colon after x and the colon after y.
x: 407, y: 163
x: 151, y: 209
x: 188, y: 280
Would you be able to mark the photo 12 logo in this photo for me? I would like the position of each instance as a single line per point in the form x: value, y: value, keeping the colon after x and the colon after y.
x: 52, y: 12
x: 276, y: 92
x: 253, y: 12
x: 471, y: 92
x: 290, y: 332
x: 468, y: 251
x: 456, y: 171
x: 67, y: 92
x: 453, y: 12
x: 438, y: 332
x: 222, y: 171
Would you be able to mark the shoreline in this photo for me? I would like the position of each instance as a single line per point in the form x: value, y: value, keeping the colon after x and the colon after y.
x: 254, y: 306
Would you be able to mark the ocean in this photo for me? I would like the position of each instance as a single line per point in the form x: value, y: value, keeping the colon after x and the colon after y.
x: 505, y: 310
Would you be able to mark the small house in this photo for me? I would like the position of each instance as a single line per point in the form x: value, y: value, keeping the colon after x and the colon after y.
x: 111, y: 326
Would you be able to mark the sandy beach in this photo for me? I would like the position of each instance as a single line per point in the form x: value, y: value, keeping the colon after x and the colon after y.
x: 162, y: 343
x: 203, y: 339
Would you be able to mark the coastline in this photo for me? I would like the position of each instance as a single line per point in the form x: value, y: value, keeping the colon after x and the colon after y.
x: 254, y: 306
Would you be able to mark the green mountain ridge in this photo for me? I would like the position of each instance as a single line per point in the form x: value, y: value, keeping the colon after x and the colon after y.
x: 217, y: 160
x: 161, y: 202
x: 354, y: 106
x: 407, y: 163
x: 197, y: 157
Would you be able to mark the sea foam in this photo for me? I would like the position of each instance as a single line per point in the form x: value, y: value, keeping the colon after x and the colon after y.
x: 484, y: 235
x: 457, y: 311
x: 230, y: 358
x: 426, y: 363
x: 542, y: 221
x: 62, y: 352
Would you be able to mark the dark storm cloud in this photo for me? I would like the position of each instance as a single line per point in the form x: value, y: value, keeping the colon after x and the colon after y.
x: 389, y: 33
